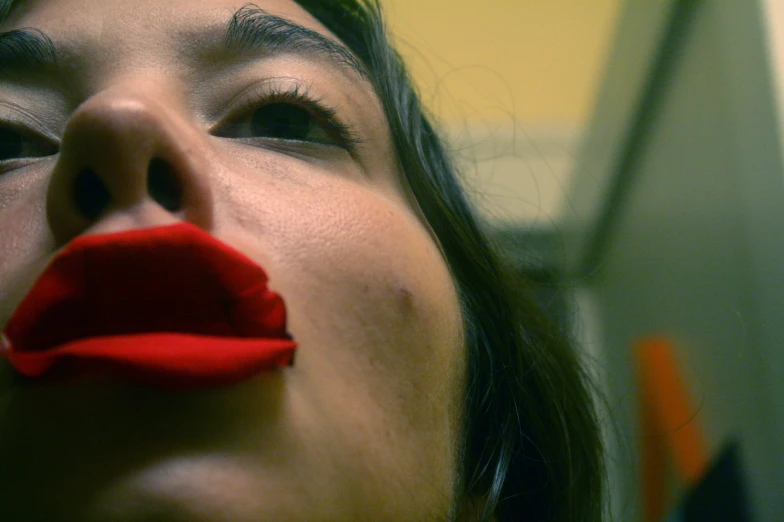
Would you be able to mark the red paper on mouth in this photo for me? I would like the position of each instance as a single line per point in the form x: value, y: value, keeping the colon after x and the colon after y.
x: 166, y: 304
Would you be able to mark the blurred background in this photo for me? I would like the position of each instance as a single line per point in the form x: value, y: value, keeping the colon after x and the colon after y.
x: 629, y: 154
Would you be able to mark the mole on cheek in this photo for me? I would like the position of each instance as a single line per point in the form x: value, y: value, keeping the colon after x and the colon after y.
x: 405, y: 301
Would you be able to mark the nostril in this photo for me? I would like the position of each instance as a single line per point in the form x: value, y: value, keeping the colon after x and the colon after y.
x: 90, y: 194
x: 163, y: 185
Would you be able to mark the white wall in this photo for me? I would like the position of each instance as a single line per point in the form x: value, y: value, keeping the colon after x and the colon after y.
x: 696, y: 251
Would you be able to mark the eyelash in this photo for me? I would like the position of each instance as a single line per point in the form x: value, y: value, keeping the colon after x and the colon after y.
x: 344, y: 135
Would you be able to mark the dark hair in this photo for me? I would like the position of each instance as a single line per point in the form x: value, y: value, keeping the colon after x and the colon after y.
x: 531, y: 446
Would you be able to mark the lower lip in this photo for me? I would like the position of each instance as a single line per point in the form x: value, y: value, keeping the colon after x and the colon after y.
x: 166, y: 360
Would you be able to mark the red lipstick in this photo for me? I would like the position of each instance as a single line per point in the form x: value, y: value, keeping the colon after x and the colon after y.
x: 170, y: 306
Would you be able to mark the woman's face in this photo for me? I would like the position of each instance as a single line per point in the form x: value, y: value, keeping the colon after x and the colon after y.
x: 364, y: 425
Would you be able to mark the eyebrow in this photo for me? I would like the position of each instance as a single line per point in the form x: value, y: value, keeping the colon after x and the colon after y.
x: 24, y: 49
x: 250, y: 29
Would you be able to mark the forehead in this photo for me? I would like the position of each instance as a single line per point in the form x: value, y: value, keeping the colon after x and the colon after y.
x: 145, y: 32
x: 115, y: 17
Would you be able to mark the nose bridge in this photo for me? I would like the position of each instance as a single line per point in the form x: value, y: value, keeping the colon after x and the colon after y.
x: 128, y: 151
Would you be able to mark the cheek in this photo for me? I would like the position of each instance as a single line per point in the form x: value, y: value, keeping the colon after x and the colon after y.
x: 353, y: 264
x: 377, y: 294
x: 25, y: 241
x: 381, y: 364
x: 375, y: 311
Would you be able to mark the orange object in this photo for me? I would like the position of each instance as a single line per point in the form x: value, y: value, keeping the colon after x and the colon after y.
x: 669, y: 425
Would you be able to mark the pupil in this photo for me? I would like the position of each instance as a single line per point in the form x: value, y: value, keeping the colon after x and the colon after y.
x: 10, y: 145
x: 280, y: 120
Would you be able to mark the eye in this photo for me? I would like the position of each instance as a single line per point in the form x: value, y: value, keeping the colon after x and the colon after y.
x: 289, y: 116
x: 285, y: 121
x: 17, y: 145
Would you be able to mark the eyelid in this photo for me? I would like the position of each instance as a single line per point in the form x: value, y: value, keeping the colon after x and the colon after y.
x: 17, y: 118
x: 230, y: 107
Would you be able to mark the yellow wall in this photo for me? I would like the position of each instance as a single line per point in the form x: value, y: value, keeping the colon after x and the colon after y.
x: 538, y: 60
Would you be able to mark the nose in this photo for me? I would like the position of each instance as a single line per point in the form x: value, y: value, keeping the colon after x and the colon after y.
x: 128, y: 160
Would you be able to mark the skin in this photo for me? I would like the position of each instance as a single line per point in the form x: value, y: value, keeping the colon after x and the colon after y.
x: 365, y: 425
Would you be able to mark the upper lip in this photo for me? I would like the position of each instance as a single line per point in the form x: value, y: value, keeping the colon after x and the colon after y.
x: 174, y: 278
